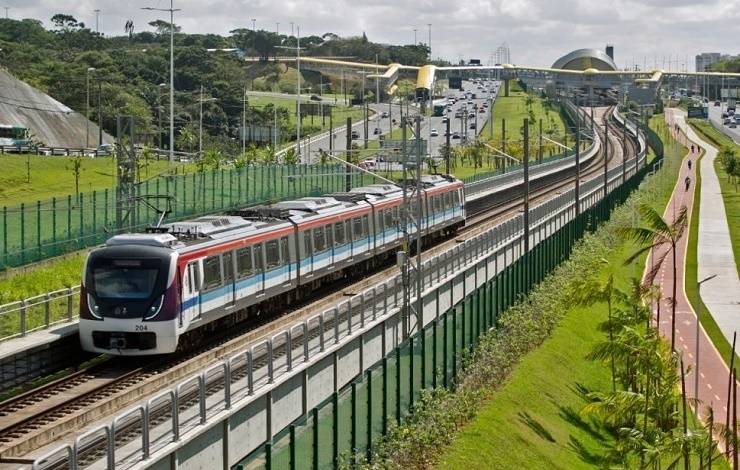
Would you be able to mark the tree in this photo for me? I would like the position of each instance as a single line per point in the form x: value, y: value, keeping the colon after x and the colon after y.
x: 163, y: 27
x: 659, y: 233
x: 187, y: 137
x: 75, y: 166
x: 66, y: 22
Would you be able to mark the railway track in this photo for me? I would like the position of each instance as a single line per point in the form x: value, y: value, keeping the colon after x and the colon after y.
x: 41, y: 416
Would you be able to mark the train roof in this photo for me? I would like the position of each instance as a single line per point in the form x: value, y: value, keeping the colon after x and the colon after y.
x: 239, y: 223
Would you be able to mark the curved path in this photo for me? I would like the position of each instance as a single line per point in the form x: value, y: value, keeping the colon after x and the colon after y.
x: 721, y: 295
x: 710, y: 385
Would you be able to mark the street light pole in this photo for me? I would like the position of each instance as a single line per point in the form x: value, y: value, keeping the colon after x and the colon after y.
x: 696, y: 371
x: 97, y: 21
x: 87, y: 106
x: 430, y: 41
x: 254, y: 25
x: 172, y: 11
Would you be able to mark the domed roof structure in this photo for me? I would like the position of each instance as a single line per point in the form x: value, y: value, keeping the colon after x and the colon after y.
x: 583, y: 59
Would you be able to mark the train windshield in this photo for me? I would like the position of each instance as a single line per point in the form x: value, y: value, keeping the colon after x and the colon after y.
x: 125, y: 279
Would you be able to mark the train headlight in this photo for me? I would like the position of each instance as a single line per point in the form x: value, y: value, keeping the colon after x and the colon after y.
x: 154, y: 308
x: 93, y: 308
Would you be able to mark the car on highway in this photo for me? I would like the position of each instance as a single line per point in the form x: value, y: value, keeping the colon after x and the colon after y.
x: 726, y: 121
x: 717, y: 103
x: 455, y: 135
x: 733, y: 125
x: 472, y: 125
x: 724, y: 115
x: 377, y: 131
x: 433, y: 132
x: 471, y: 115
x: 445, y: 119
x: 384, y: 114
x: 481, y: 110
x: 355, y: 135
x: 368, y: 164
x: 736, y: 117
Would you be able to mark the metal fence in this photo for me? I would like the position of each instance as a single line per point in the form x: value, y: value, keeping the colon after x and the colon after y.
x: 354, y: 416
x: 39, y: 230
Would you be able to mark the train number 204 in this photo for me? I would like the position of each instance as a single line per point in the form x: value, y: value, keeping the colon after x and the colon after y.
x: 141, y: 328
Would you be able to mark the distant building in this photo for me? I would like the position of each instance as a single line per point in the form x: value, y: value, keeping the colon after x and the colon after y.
x: 706, y: 59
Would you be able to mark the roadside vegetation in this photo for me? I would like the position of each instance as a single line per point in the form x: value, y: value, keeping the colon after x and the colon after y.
x: 542, y: 391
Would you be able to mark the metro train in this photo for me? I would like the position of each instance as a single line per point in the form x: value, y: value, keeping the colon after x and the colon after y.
x: 142, y: 292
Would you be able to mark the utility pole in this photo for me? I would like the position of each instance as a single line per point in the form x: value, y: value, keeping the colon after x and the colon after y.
x: 348, y: 169
x: 298, y: 67
x: 448, y: 149
x: 244, y: 121
x: 578, y: 160
x: 87, y: 106
x: 97, y: 21
x: 490, y: 117
x: 415, y: 41
x: 6, y: 12
x: 606, y: 157
x: 430, y: 41
x: 526, y: 186
x: 254, y: 25
x: 100, y: 115
x: 624, y: 151
x: 200, y: 124
x: 503, y: 139
x: 172, y: 11
x: 539, y: 152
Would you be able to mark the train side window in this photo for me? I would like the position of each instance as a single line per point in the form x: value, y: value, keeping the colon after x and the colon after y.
x: 244, y: 267
x: 357, y: 228
x: 437, y: 204
x: 259, y: 266
x: 272, y: 254
x: 338, y: 233
x: 446, y: 200
x: 307, y: 244
x: 285, y: 250
x: 348, y: 230
x: 365, y: 227
x: 212, y: 272
x: 388, y: 218
x: 194, y: 276
x: 455, y: 198
x: 379, y: 221
x: 319, y: 240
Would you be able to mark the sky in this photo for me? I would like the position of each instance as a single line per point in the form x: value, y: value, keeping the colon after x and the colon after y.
x: 662, y: 33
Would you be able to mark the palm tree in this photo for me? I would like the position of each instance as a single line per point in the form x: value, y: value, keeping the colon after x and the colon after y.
x: 594, y: 291
x: 658, y: 233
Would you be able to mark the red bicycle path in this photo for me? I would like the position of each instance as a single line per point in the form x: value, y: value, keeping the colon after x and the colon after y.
x: 713, y: 372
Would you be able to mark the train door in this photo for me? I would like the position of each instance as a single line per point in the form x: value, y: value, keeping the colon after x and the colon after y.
x: 189, y: 308
x: 259, y: 268
x: 227, y: 265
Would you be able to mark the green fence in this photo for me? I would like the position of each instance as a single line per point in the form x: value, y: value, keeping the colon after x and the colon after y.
x: 39, y: 230
x: 347, y: 424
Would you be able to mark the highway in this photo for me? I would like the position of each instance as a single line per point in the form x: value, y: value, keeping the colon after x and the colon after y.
x: 384, y: 124
x: 715, y: 116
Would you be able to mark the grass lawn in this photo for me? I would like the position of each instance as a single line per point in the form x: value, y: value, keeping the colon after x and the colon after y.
x: 533, y: 420
x: 52, y: 176
x: 514, y: 109
x: 339, y: 113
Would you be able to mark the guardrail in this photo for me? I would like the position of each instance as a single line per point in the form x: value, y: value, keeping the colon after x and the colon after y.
x: 94, y: 152
x: 38, y: 312
x: 229, y: 386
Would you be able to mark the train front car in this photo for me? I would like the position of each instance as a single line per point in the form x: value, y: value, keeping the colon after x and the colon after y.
x: 130, y: 297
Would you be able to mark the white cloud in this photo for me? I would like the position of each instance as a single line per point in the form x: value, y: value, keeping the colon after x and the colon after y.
x: 538, y: 31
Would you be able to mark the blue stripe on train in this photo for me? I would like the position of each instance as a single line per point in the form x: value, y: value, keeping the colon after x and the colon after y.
x: 317, y: 258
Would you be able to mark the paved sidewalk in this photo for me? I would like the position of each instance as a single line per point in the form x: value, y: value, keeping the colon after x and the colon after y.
x: 721, y: 295
x: 711, y: 386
